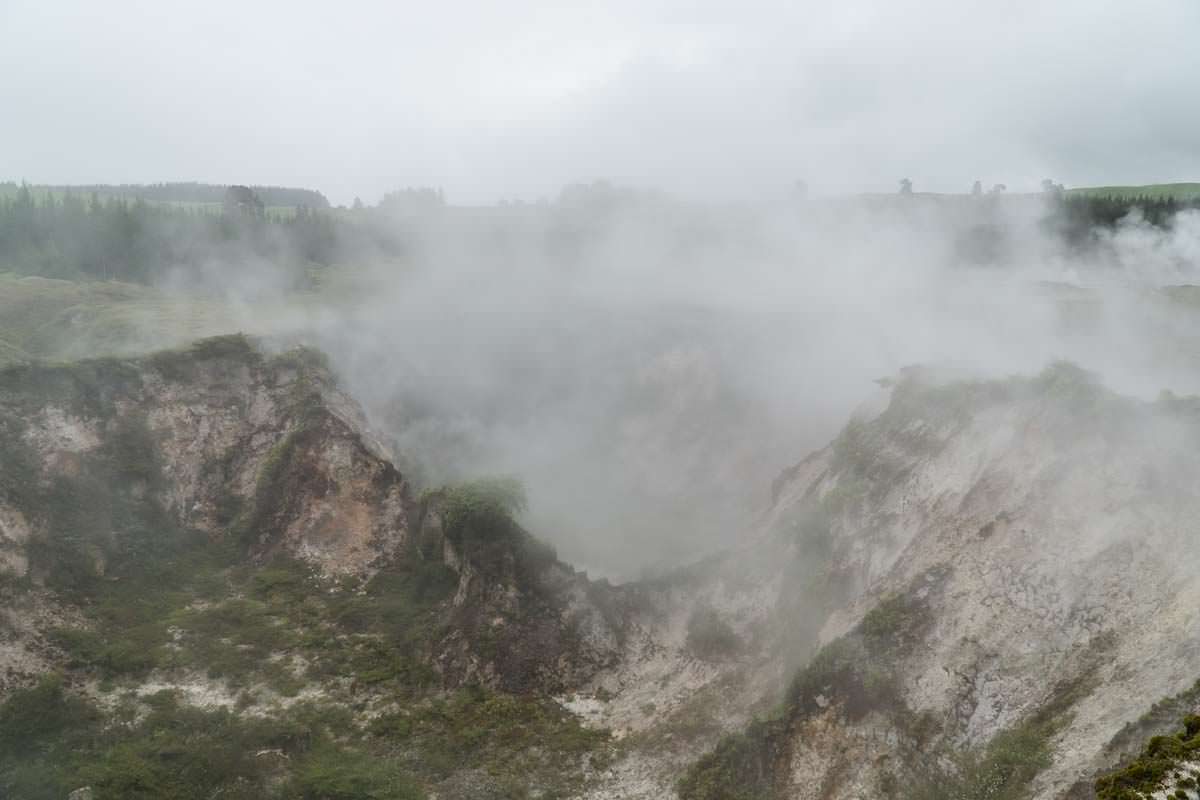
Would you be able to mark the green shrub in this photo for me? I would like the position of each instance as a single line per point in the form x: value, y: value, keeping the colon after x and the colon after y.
x: 1162, y: 757
x: 333, y: 774
x: 482, y: 509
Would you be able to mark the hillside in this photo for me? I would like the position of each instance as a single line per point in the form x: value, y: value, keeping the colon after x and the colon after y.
x: 207, y: 547
x: 1007, y: 577
x: 216, y: 580
x: 57, y: 319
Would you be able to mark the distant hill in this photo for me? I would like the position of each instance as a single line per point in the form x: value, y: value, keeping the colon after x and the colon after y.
x: 183, y: 193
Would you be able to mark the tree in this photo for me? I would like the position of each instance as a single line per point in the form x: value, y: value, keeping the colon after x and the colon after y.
x: 243, y: 200
x: 977, y: 189
x: 906, y: 186
x: 1051, y: 188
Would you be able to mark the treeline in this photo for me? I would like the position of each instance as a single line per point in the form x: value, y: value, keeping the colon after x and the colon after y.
x: 74, y: 236
x: 184, y: 192
x: 1076, y: 218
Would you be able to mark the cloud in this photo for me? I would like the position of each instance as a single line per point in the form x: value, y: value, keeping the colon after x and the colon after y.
x: 516, y: 99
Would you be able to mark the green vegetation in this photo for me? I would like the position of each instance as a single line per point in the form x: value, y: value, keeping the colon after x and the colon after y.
x: 741, y: 767
x: 473, y: 728
x: 65, y: 235
x: 176, y: 193
x: 854, y: 672
x: 1080, y: 217
x: 161, y: 749
x: 282, y: 628
x: 1001, y: 770
x: 851, y: 675
x: 1161, y: 717
x: 1163, y: 758
x: 1154, y: 191
x: 60, y: 319
x: 484, y: 507
x: 480, y: 518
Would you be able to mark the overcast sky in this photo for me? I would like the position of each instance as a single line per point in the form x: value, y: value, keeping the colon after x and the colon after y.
x: 514, y: 99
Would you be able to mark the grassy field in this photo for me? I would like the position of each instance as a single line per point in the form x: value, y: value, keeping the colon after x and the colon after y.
x: 64, y: 320
x: 1178, y: 191
x: 55, y: 319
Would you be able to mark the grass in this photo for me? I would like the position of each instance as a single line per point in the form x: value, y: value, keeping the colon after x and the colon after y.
x: 59, y: 319
x: 1155, y: 191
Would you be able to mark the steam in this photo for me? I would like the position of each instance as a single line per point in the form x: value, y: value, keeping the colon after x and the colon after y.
x: 648, y: 365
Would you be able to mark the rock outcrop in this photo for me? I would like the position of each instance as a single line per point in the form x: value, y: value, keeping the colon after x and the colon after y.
x: 1010, y: 576
x: 977, y: 590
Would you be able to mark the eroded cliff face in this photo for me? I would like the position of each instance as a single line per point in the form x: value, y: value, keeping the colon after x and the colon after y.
x: 209, y: 435
x: 977, y: 590
x: 208, y: 547
x: 265, y: 457
x: 1010, y: 573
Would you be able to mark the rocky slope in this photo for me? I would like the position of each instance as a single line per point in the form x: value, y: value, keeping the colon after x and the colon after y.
x: 1010, y: 574
x: 979, y: 589
x: 215, y: 530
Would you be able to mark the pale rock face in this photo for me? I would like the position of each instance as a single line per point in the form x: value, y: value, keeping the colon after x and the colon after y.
x: 214, y: 430
x: 1063, y: 557
x: 1050, y: 546
x: 1054, y: 549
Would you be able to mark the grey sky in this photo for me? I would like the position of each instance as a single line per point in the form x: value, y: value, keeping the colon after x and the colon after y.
x: 514, y: 99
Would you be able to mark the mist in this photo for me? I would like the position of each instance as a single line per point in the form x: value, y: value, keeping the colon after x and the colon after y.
x: 704, y: 99
x: 646, y: 352
x: 648, y: 365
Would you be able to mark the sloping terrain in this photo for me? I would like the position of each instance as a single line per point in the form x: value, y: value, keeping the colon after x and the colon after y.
x: 216, y: 582
x: 1013, y: 576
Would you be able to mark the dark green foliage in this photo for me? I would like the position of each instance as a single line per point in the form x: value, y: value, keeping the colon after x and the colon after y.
x: 51, y: 742
x: 855, y: 671
x: 1163, y: 757
x: 32, y: 717
x: 230, y: 350
x: 741, y: 767
x: 136, y: 241
x: 482, y: 509
x: 1079, y: 217
x: 122, y: 233
x: 530, y: 739
x: 332, y: 774
x: 480, y: 518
